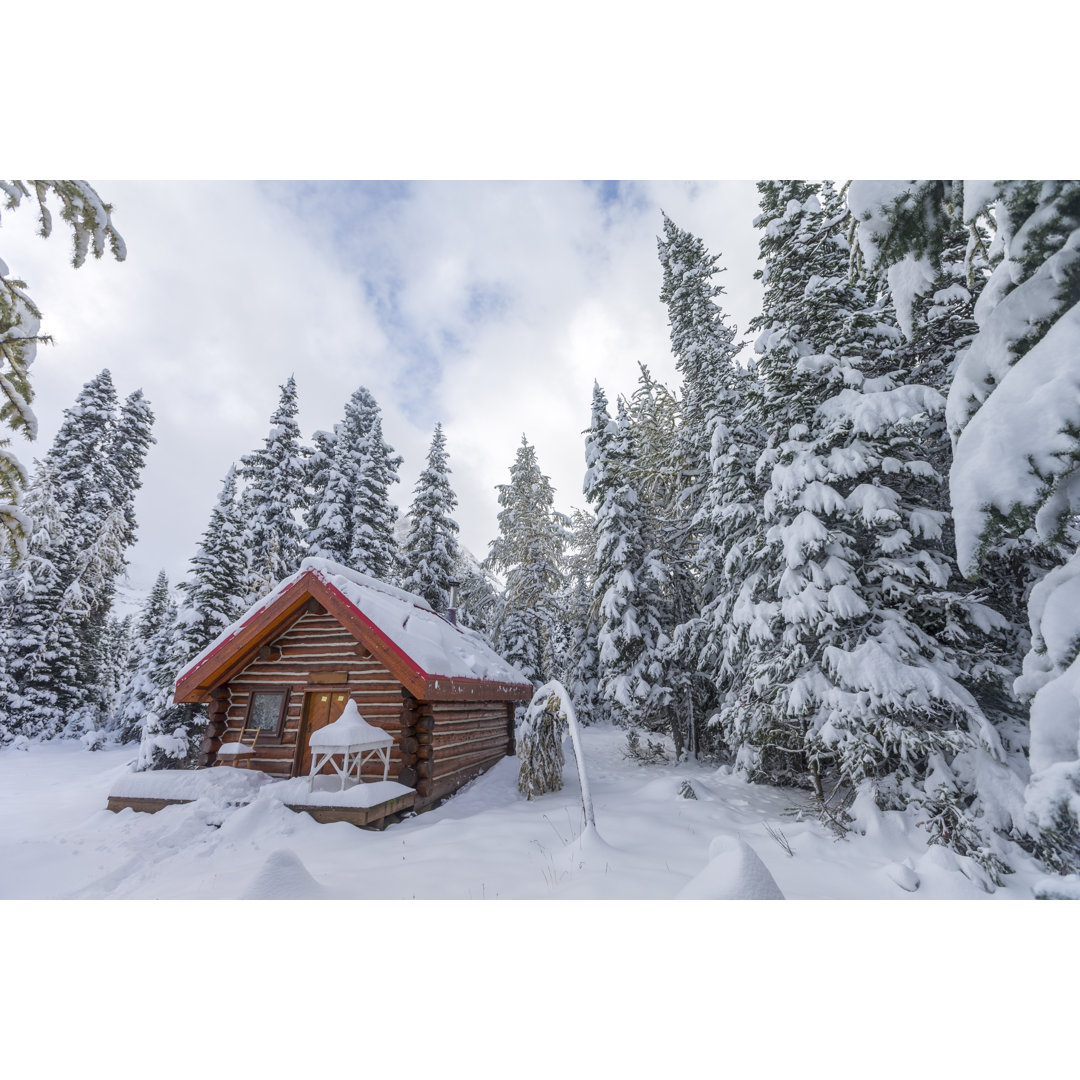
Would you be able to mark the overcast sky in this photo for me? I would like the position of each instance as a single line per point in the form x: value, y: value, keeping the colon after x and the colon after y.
x: 490, y: 307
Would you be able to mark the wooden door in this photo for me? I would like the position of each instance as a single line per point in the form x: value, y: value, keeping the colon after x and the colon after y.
x: 320, y: 708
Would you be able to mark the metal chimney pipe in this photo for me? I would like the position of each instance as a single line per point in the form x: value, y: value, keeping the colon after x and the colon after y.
x: 451, y: 614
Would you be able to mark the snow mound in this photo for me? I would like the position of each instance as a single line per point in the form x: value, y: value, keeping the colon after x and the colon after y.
x: 734, y: 872
x: 903, y: 874
x: 224, y: 785
x: 1057, y: 888
x: 284, y: 877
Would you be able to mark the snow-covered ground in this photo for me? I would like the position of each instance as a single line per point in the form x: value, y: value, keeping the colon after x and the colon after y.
x: 57, y: 841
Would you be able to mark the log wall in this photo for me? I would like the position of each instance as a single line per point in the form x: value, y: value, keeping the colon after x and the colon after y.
x: 315, y: 648
x: 466, y: 739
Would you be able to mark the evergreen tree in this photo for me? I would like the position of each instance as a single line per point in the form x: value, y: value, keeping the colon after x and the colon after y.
x: 274, y: 495
x: 720, y: 443
x: 1013, y: 415
x: 430, y: 553
x: 539, y: 747
x: 118, y: 646
x: 579, y: 654
x: 856, y: 670
x: 529, y: 551
x: 627, y: 575
x: 170, y: 734
x: 55, y: 609
x: 352, y: 520
x: 478, y: 597
x: 20, y: 324
x: 213, y: 594
x: 154, y: 624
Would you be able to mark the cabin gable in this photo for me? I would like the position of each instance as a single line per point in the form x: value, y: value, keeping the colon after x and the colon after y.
x: 315, y: 655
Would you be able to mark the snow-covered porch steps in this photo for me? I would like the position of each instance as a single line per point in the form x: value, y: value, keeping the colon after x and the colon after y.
x: 369, y: 805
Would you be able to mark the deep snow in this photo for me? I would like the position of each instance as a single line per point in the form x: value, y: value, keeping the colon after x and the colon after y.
x: 57, y: 841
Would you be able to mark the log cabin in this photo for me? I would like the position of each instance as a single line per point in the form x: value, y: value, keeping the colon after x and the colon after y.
x: 327, y: 635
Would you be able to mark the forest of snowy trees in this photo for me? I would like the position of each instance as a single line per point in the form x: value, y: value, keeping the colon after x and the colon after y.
x: 841, y: 557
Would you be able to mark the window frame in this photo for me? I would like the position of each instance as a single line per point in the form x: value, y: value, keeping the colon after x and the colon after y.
x: 285, y: 692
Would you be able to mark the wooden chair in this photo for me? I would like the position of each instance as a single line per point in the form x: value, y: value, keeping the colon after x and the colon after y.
x: 243, y: 750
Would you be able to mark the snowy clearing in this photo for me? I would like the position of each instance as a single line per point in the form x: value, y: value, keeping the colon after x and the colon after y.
x: 57, y: 841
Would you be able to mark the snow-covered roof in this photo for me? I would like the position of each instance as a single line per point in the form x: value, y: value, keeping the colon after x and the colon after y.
x: 416, y: 634
x: 350, y: 729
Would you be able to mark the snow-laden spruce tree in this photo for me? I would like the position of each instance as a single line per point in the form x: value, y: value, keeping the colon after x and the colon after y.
x: 719, y: 440
x: 629, y: 576
x: 529, y: 553
x: 539, y: 747
x: 667, y: 588
x: 170, y: 734
x: 213, y: 593
x: 351, y: 520
x: 273, y: 496
x: 53, y: 616
x: 430, y: 556
x: 1014, y: 414
x: 20, y: 325
x: 478, y: 595
x: 579, y: 651
x: 153, y: 627
x: 855, y: 668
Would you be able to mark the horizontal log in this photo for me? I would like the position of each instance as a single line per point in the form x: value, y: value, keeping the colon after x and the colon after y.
x: 408, y: 745
x: 407, y: 776
x: 463, y: 746
x: 449, y: 765
x: 425, y: 770
x: 453, y: 780
x: 449, y: 708
x: 445, y: 733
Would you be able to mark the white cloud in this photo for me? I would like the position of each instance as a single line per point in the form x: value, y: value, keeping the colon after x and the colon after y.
x: 489, y: 306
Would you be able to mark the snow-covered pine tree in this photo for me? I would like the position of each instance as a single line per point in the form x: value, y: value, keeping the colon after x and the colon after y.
x: 351, y: 519
x: 539, y: 747
x: 213, y: 594
x: 329, y: 519
x: 666, y: 588
x: 153, y: 625
x: 580, y: 655
x: 170, y: 734
x: 627, y: 575
x: 20, y: 324
x: 273, y: 496
x: 35, y: 646
x: 478, y: 597
x: 529, y: 552
x: 1014, y: 416
x: 719, y: 444
x: 117, y: 655
x: 55, y: 616
x: 430, y: 555
x: 856, y: 674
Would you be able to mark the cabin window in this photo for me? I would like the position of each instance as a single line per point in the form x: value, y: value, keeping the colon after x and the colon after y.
x: 266, y: 711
